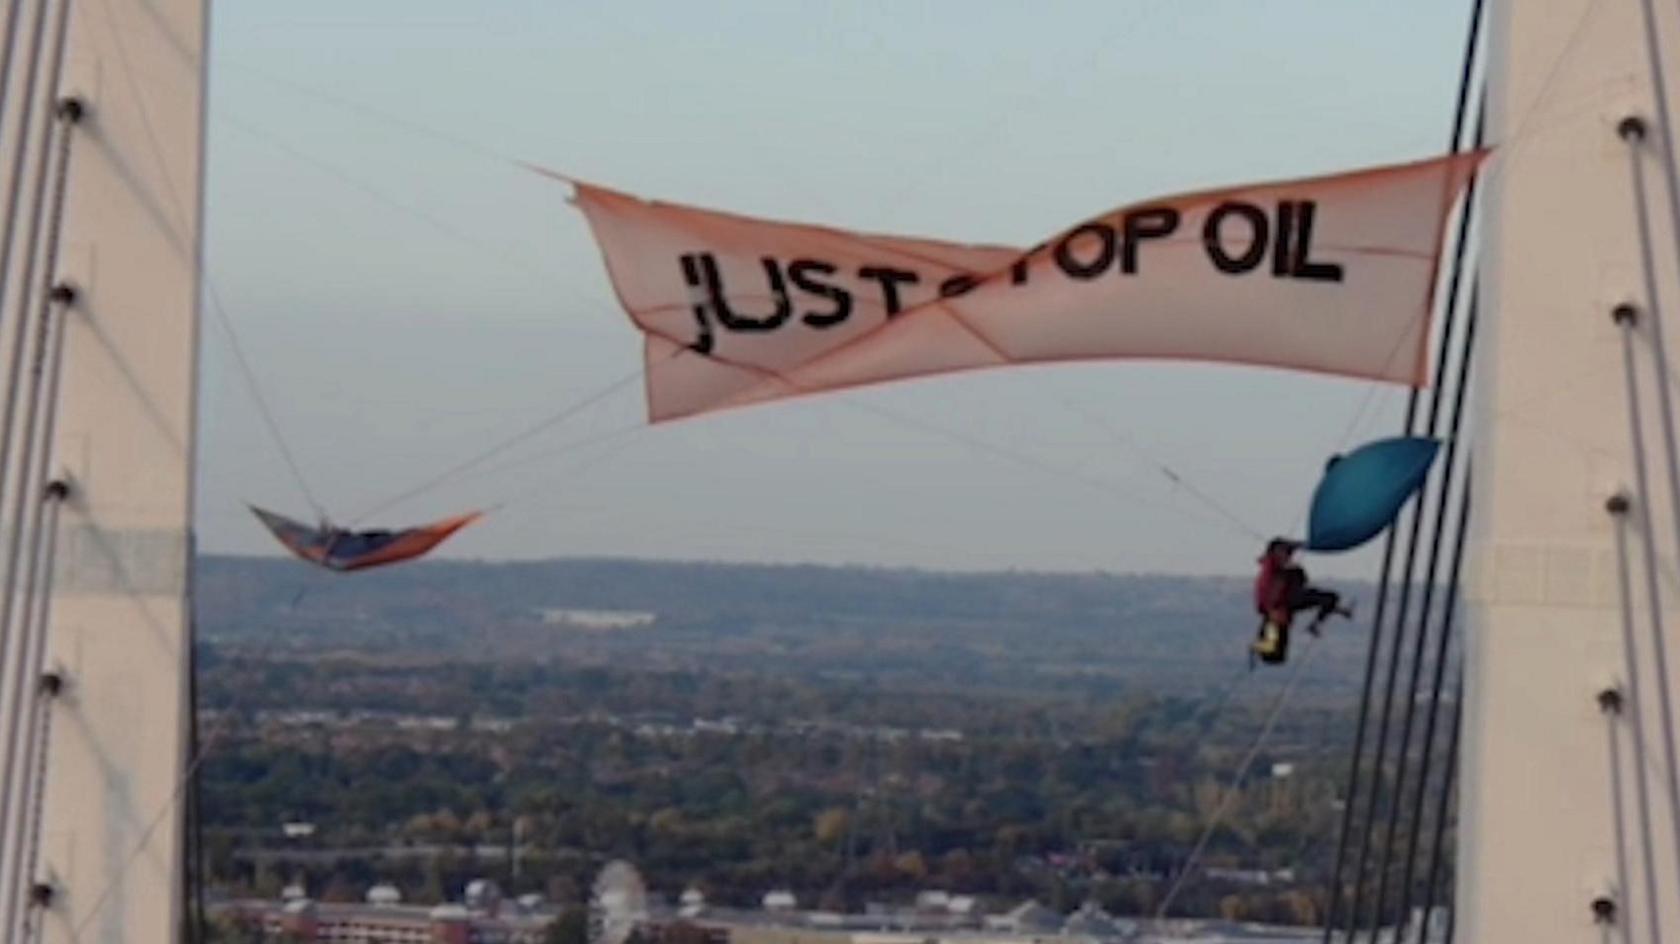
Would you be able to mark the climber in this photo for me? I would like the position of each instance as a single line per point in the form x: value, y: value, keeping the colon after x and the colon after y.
x: 1281, y: 590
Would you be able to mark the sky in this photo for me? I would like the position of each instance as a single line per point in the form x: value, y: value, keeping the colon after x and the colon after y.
x: 408, y: 296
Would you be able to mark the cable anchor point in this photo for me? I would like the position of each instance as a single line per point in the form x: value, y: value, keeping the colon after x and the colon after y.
x: 70, y: 109
x: 1610, y: 701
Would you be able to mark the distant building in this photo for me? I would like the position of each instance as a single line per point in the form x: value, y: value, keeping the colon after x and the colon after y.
x: 618, y: 904
x: 311, y: 921
x: 482, y: 896
x: 933, y: 901
x: 384, y: 896
x: 1091, y: 921
x: 598, y: 619
x: 780, y: 900
x: 1029, y: 917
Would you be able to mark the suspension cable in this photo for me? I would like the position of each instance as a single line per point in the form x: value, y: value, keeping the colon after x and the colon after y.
x: 21, y: 834
x: 1632, y: 132
x: 1620, y: 506
x: 1442, y: 804
x: 14, y: 644
x: 28, y: 502
x: 241, y: 362
x: 39, y: 722
x: 8, y: 42
x: 24, y: 646
x: 1627, y: 317
x: 25, y: 130
x: 21, y: 776
x: 1610, y: 703
x: 1461, y: 111
x: 1425, y: 611
x: 1442, y: 655
x: 1451, y: 302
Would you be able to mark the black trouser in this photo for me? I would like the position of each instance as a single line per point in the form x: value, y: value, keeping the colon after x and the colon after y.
x: 1302, y: 597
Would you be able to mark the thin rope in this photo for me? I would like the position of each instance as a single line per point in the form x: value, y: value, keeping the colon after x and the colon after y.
x: 1431, y: 571
x: 1442, y: 655
x: 617, y: 442
x: 1461, y: 111
x: 502, y: 446
x: 974, y: 442
x: 368, y: 111
x: 1649, y: 546
x: 175, y: 205
x: 254, y: 389
x: 1228, y: 691
x: 1174, y: 478
x: 1443, y: 803
x: 1610, y: 702
x: 1001, y: 117
x: 1218, y: 816
x: 377, y: 193
x: 139, y: 848
x: 1635, y: 715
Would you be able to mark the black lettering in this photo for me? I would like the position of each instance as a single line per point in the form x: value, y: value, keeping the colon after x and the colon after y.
x: 691, y: 274
x: 1018, y: 269
x: 800, y: 271
x: 1074, y: 268
x: 1257, y: 241
x: 890, y: 280
x: 1151, y: 223
x: 1282, y: 253
x: 957, y: 285
x: 735, y: 321
x: 1303, y: 268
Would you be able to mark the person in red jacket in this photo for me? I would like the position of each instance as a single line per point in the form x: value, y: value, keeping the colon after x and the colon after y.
x: 1280, y: 591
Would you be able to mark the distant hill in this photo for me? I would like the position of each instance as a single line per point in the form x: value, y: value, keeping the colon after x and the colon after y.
x: 1065, y: 633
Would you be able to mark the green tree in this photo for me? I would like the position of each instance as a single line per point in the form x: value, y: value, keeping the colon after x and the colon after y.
x: 571, y: 927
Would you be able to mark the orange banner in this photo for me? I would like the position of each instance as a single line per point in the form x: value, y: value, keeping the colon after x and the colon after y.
x: 1330, y: 274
